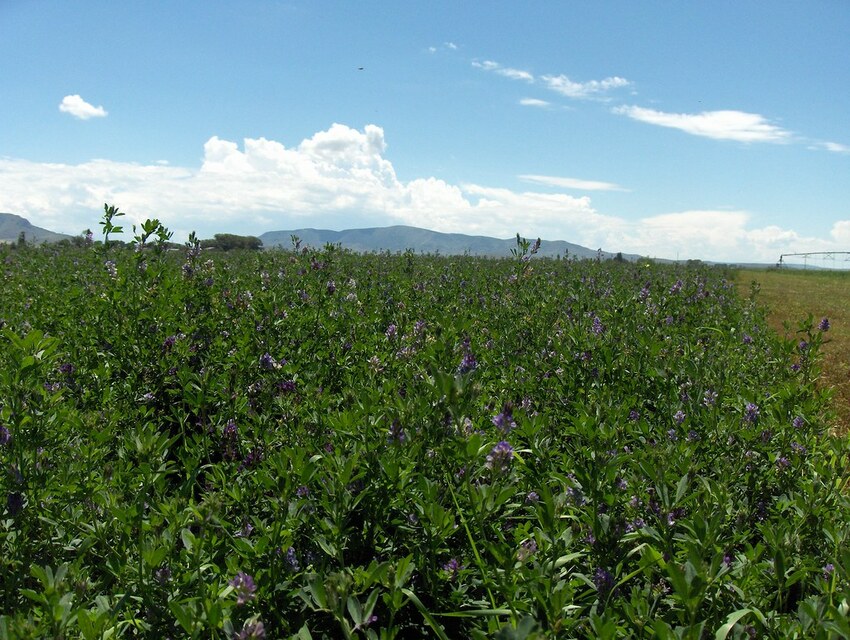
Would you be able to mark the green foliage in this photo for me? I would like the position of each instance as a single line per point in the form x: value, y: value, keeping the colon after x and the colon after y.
x: 232, y: 242
x: 315, y: 444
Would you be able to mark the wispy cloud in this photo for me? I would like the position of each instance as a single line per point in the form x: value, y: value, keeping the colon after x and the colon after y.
x: 451, y: 46
x: 534, y: 102
x: 572, y: 183
x: 79, y: 108
x: 508, y: 72
x: 560, y: 84
x: 590, y: 89
x: 721, y: 125
x: 834, y: 147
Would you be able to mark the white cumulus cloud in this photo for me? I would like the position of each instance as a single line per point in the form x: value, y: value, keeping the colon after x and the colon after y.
x: 342, y: 178
x: 79, y: 108
x: 721, y: 125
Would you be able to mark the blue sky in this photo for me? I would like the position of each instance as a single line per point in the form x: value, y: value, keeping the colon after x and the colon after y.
x: 718, y: 131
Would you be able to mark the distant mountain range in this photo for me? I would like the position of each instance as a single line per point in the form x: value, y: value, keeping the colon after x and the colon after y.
x: 11, y: 227
x: 376, y: 239
x: 401, y: 238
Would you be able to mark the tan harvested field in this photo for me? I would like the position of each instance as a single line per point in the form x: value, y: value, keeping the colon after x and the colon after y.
x: 789, y: 297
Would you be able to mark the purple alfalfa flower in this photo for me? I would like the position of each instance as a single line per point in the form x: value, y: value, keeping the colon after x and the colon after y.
x: 468, y: 362
x: 677, y: 286
x: 532, y: 497
x: 709, y: 398
x: 244, y: 587
x: 230, y: 440
x: 67, y: 369
x: 823, y: 325
x: 268, y: 363
x: 803, y: 346
x: 751, y: 413
x: 111, y: 269
x: 604, y: 581
x: 798, y: 422
x: 747, y: 339
x: 782, y: 463
x: 728, y: 558
x: 331, y: 287
x: 597, y: 327
x: 5, y: 435
x: 452, y: 568
x: 504, y: 421
x: 634, y: 415
x: 828, y: 570
x: 251, y: 630
x: 302, y: 491
x: 799, y: 449
x: 391, y: 331
x: 169, y: 343
x: 286, y: 386
x: 254, y: 457
x: 679, y: 416
x: 635, y: 525
x: 291, y: 560
x: 500, y: 457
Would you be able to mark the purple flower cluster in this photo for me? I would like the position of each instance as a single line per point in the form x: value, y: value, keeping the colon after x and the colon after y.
x: 292, y: 560
x: 468, y: 362
x: 229, y: 440
x: 251, y: 631
x: 5, y: 435
x: 268, y: 363
x: 604, y: 581
x: 504, y: 421
x: 244, y: 586
x: 823, y: 325
x: 499, y: 459
x: 396, y: 433
x: 751, y: 413
x: 597, y: 327
x: 452, y: 568
x: 254, y: 457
